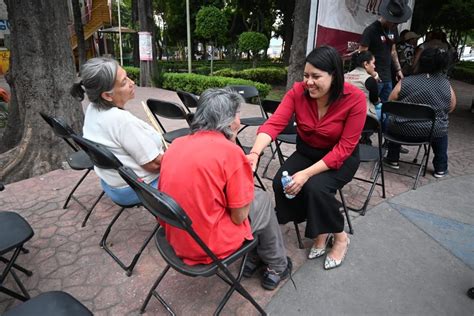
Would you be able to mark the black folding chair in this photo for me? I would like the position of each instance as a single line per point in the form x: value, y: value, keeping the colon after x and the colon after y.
x: 394, y: 112
x: 251, y: 96
x: 190, y: 101
x: 105, y: 159
x: 78, y: 160
x: 14, y: 233
x: 287, y: 136
x: 370, y: 153
x: 54, y: 303
x: 167, y: 210
x: 169, y: 110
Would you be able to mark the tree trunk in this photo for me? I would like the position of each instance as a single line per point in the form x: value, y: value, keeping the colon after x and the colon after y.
x: 79, y: 29
x: 41, y: 74
x: 288, y: 25
x: 145, y: 18
x: 300, y: 38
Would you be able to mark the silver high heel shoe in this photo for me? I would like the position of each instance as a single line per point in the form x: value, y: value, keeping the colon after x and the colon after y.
x: 330, y: 263
x: 319, y: 252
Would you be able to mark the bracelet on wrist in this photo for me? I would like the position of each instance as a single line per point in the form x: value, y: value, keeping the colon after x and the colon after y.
x: 254, y: 152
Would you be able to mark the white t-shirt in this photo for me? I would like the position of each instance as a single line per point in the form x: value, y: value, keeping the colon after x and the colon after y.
x: 130, y: 139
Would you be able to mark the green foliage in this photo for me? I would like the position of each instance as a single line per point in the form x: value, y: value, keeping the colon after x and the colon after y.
x: 464, y: 71
x: 182, y: 66
x: 133, y: 73
x: 198, y: 83
x: 253, y: 41
x: 210, y: 23
x: 271, y: 75
x: 158, y: 75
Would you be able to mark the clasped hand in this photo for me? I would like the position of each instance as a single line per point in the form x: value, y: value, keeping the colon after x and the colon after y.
x: 299, y: 179
x: 253, y: 159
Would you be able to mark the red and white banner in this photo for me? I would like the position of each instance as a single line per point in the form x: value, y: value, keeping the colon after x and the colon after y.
x: 340, y: 23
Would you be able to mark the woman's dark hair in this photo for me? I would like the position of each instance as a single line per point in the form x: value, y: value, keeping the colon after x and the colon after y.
x: 327, y: 58
x: 359, y: 58
x: 433, y: 60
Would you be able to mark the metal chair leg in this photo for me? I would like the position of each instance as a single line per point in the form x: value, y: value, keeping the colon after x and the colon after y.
x: 75, y: 187
x: 16, y: 266
x: 349, y: 223
x: 8, y: 269
x: 91, y: 208
x: 153, y: 292
x: 103, y: 243
x: 298, y: 235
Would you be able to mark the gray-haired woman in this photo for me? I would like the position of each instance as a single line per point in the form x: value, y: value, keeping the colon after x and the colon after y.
x: 135, y: 143
x: 211, y: 178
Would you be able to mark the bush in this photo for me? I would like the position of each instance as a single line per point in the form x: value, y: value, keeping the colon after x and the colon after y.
x: 270, y: 75
x: 133, y: 73
x: 182, y: 66
x: 198, y: 83
x: 464, y: 71
x: 252, y: 41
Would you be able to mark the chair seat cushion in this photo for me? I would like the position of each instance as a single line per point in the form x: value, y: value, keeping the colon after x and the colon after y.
x: 53, y: 303
x: 172, y: 135
x: 252, y: 121
x: 14, y: 231
x: 204, y: 270
x: 400, y: 140
x: 79, y: 160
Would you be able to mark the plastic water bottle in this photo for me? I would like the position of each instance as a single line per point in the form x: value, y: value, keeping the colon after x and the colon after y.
x: 286, y: 180
x: 378, y: 110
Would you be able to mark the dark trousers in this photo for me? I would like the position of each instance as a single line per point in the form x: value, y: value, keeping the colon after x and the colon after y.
x: 316, y: 202
x: 440, y: 152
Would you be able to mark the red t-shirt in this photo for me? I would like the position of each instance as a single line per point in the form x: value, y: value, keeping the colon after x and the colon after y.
x: 338, y: 130
x: 207, y: 175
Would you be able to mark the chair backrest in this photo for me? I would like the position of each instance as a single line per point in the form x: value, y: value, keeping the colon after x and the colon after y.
x: 247, y: 92
x: 158, y: 203
x: 372, y: 125
x: 60, y: 128
x: 163, y: 206
x: 169, y: 110
x: 99, y: 154
x: 269, y: 107
x: 409, y: 112
x: 189, y: 100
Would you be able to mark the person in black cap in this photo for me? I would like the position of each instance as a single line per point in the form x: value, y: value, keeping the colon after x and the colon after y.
x: 380, y: 38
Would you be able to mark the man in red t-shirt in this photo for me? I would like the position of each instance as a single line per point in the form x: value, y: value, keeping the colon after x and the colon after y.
x: 211, y: 179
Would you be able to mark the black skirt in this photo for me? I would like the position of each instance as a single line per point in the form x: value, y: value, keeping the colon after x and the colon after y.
x: 316, y: 203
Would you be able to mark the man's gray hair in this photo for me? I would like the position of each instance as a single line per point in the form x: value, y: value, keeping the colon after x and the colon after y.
x: 216, y: 111
x: 98, y: 76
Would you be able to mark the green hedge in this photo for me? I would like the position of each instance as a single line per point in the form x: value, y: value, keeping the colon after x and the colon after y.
x: 182, y: 66
x: 464, y: 71
x: 198, y: 83
x: 133, y: 73
x: 271, y: 75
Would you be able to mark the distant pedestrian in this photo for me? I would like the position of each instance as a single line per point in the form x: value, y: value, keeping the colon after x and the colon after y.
x: 380, y: 38
x: 406, y: 52
x: 429, y: 86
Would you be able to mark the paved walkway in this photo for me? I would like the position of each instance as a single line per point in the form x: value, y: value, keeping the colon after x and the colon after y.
x: 398, y: 262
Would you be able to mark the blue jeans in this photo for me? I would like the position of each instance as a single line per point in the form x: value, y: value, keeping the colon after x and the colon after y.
x: 384, y: 90
x: 125, y: 195
x: 440, y: 153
